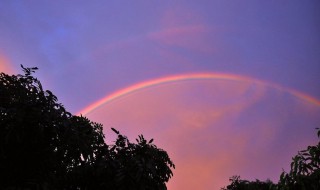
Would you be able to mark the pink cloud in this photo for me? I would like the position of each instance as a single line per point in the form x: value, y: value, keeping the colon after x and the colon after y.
x: 191, y: 37
x: 183, y: 28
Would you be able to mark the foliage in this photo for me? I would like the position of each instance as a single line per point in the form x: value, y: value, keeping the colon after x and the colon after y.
x: 42, y: 146
x: 239, y: 184
x: 135, y: 166
x: 304, y: 174
x: 305, y: 170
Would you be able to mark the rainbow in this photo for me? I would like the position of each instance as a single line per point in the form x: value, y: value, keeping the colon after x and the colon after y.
x: 192, y: 76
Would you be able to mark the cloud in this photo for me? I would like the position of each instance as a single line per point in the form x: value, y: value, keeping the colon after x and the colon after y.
x: 182, y: 27
x: 192, y: 38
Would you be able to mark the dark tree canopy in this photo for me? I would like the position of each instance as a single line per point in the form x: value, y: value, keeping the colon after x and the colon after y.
x: 304, y: 174
x: 42, y: 146
x: 239, y: 184
x: 305, y: 170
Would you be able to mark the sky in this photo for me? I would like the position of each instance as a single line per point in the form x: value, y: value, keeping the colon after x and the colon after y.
x: 226, y: 87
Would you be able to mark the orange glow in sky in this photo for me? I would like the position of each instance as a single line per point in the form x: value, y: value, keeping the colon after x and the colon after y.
x: 210, y: 126
x: 4, y: 65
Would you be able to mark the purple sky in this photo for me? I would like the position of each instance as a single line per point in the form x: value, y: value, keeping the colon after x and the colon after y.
x: 87, y: 50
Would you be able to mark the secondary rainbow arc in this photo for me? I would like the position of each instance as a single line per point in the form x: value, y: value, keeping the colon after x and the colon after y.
x: 193, y: 76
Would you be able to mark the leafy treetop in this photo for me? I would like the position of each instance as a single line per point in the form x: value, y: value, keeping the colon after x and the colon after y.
x: 43, y: 146
x: 304, y: 174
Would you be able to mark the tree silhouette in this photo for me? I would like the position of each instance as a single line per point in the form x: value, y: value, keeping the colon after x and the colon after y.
x: 42, y: 146
x: 238, y: 184
x: 304, y: 174
x: 305, y: 170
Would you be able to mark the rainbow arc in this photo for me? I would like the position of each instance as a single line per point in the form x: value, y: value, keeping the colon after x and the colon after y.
x: 193, y: 76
